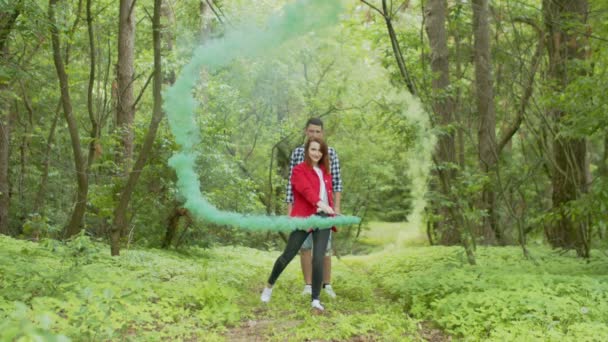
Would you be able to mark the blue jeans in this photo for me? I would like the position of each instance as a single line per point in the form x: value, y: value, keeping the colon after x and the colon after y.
x: 308, y: 244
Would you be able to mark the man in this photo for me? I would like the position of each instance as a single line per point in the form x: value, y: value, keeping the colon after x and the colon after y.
x: 314, y: 128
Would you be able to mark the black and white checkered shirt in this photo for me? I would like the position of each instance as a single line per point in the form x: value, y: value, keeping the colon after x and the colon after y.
x: 297, y: 157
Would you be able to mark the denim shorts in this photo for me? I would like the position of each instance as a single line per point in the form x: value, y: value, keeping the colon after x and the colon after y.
x: 308, y: 243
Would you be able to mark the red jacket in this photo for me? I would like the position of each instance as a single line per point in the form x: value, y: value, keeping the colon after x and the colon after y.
x: 306, y: 187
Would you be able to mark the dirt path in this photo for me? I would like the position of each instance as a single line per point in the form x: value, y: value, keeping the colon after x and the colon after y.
x: 359, y: 314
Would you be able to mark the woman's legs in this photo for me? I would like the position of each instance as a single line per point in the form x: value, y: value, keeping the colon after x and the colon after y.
x: 319, y: 244
x: 296, y: 238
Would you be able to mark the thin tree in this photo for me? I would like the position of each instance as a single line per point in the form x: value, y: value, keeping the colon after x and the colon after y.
x: 8, y: 18
x: 484, y: 86
x: 452, y: 225
x: 95, y: 125
x: 508, y: 133
x: 442, y: 105
x: 39, y: 199
x: 125, y: 104
x: 75, y: 224
x: 567, y: 44
x: 205, y: 23
x: 388, y: 20
x: 46, y: 163
x: 119, y: 224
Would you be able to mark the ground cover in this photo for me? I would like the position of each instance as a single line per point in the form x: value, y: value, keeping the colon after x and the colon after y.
x: 52, y: 291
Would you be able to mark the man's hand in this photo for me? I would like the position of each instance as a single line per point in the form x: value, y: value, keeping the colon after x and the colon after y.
x: 337, y: 201
x: 325, y: 208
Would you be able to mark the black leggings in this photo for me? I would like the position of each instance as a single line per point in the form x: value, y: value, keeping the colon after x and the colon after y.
x: 296, y: 238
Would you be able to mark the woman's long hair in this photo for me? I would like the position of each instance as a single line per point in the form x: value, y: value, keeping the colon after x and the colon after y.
x: 324, y: 149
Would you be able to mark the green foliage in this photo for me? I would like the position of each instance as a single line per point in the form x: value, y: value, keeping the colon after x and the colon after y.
x: 92, y: 296
x: 37, y: 226
x: 75, y: 290
x: 251, y: 112
x: 21, y: 326
x: 505, y: 297
x: 50, y: 292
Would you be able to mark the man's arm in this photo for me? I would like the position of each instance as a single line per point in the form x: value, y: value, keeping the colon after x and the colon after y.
x: 297, y: 157
x: 336, y: 180
x: 337, y: 196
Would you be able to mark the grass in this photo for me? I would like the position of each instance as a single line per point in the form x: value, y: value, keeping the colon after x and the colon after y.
x: 76, y: 290
x: 406, y: 291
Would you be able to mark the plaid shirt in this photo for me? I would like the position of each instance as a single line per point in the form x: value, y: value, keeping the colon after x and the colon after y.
x: 297, y: 157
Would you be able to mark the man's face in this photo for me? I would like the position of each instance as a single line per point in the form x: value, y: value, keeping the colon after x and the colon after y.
x: 314, y: 131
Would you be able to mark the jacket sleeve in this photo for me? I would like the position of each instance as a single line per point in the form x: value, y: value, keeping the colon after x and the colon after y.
x: 295, y: 159
x: 335, y: 171
x: 302, y: 185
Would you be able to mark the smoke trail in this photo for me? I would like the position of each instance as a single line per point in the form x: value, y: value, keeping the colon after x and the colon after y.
x: 245, y: 41
x: 420, y: 164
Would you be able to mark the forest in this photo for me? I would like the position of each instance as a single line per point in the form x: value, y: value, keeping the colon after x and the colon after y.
x: 145, y: 151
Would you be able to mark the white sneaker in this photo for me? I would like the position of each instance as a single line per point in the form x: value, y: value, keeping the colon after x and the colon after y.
x: 316, y: 304
x: 266, y: 294
x: 307, y: 290
x: 330, y: 291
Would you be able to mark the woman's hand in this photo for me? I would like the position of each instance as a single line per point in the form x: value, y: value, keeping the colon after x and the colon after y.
x: 325, y: 208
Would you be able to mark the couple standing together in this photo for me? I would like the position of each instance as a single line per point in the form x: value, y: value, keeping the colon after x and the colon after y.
x: 314, y: 188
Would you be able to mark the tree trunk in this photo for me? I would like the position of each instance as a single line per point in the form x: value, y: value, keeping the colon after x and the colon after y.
x: 397, y: 50
x: 125, y: 110
x: 4, y: 162
x: 24, y: 147
x: 41, y: 194
x: 120, y: 214
x: 7, y: 21
x: 173, y: 224
x: 566, y: 44
x: 603, y: 164
x: 94, y: 146
x: 442, y: 103
x: 484, y: 86
x: 76, y: 219
x: 167, y: 37
x: 386, y: 14
x: 457, y: 103
x: 205, y: 20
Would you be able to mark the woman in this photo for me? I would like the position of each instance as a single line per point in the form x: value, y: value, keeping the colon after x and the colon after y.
x: 312, y: 189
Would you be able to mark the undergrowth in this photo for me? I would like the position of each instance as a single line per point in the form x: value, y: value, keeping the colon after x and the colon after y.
x: 552, y: 297
x: 53, y: 291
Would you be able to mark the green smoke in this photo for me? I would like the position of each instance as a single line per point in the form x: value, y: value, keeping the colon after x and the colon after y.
x: 247, y: 41
x: 420, y: 164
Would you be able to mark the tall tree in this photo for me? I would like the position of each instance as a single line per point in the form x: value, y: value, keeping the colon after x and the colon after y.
x: 93, y: 117
x: 8, y: 17
x: 4, y: 160
x: 388, y: 20
x: 120, y: 214
x: 442, y: 104
x: 167, y: 37
x: 46, y: 161
x: 39, y: 200
x: 76, y: 219
x: 452, y: 225
x: 205, y: 23
x: 445, y: 154
x: 125, y: 111
x: 484, y: 86
x: 567, y: 44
